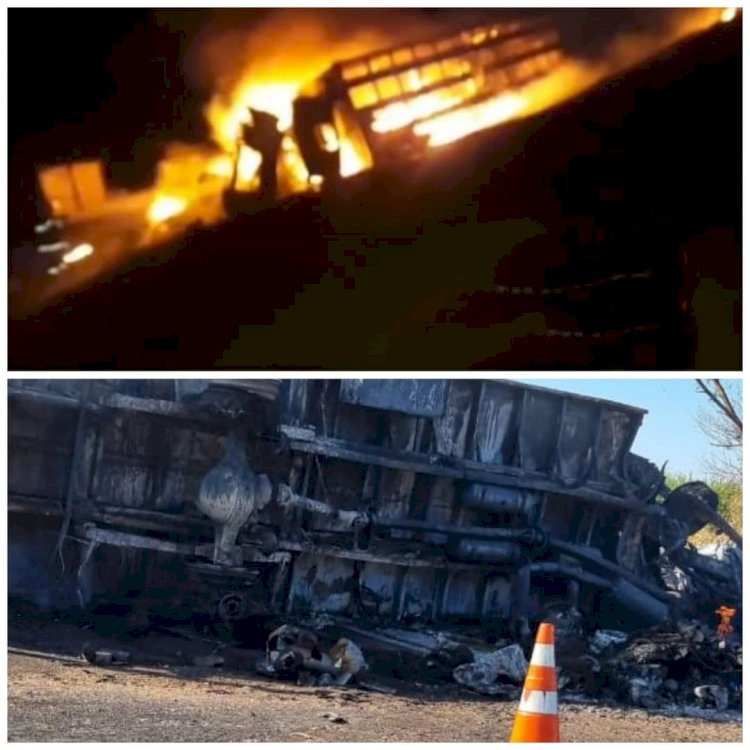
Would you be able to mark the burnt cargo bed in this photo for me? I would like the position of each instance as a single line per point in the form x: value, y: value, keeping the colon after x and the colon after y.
x: 412, y: 273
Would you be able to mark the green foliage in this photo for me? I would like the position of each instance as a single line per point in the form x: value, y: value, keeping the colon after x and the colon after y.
x: 730, y: 505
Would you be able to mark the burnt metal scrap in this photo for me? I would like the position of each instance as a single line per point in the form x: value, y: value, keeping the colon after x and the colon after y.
x: 676, y: 663
x: 465, y: 505
x: 294, y: 652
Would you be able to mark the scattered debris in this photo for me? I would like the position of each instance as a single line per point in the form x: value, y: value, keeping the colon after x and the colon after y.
x: 334, y: 718
x: 348, y: 659
x: 682, y: 663
x: 105, y: 657
x: 296, y: 653
x: 602, y: 640
x: 498, y: 673
x: 714, y: 696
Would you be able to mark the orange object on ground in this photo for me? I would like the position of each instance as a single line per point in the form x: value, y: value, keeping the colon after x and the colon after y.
x: 537, y: 719
x: 725, y: 625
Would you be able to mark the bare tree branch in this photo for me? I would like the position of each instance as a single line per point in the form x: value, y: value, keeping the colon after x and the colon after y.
x: 722, y: 424
x: 722, y: 400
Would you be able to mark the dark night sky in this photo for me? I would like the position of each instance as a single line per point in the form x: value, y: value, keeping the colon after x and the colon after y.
x: 84, y: 61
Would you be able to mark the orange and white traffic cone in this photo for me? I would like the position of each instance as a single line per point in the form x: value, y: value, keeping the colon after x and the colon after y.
x: 536, y: 718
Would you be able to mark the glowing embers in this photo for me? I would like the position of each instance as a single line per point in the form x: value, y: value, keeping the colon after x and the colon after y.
x: 400, y: 114
x: 458, y: 124
x: 165, y: 207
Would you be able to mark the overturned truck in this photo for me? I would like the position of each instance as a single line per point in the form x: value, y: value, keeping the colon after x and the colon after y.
x: 475, y: 503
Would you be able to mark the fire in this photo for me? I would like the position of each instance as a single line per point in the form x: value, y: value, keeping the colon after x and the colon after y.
x: 268, y: 67
x: 248, y: 163
x: 350, y: 161
x: 295, y: 177
x: 220, y: 166
x: 227, y: 116
x: 563, y: 82
x: 400, y: 114
x: 455, y: 125
x: 165, y: 207
x: 277, y: 99
x: 726, y: 614
x: 279, y: 63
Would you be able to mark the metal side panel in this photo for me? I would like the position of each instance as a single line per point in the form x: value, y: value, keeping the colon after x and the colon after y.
x: 419, y: 398
x: 452, y: 427
x: 40, y: 447
x: 578, y: 432
x: 616, y: 433
x: 538, y: 430
x: 379, y: 586
x: 495, y: 422
x: 461, y: 594
x: 321, y: 583
x: 417, y: 598
x: 146, y: 462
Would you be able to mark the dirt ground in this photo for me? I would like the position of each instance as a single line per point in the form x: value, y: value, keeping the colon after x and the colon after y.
x: 58, y: 699
x: 55, y: 695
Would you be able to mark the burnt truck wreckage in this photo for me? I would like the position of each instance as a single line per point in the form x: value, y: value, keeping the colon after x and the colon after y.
x: 410, y: 528
x: 391, y: 501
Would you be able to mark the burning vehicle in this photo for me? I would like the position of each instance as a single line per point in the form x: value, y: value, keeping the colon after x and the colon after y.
x: 306, y: 124
x: 443, y: 503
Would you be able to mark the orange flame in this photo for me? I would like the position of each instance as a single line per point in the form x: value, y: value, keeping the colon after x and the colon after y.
x: 455, y: 125
x: 725, y: 624
x: 165, y: 207
x: 226, y: 116
x: 272, y: 65
x: 288, y: 57
x: 564, y: 82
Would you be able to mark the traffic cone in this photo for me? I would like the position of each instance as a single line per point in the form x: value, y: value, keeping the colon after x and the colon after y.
x: 536, y: 718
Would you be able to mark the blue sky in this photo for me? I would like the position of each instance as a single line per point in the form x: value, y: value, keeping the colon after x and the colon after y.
x: 669, y: 431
